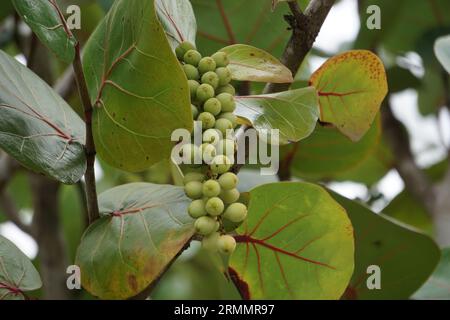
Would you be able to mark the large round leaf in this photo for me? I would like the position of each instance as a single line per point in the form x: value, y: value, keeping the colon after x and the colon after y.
x: 45, y: 21
x: 294, y: 113
x: 17, y: 273
x: 406, y: 258
x: 351, y: 88
x: 37, y: 127
x: 296, y: 244
x: 142, y: 229
x: 178, y: 20
x: 138, y: 88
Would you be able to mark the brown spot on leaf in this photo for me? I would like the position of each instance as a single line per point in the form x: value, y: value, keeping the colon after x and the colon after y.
x: 132, y: 282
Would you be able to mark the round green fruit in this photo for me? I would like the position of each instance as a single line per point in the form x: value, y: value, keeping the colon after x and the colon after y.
x: 221, y: 59
x: 207, y: 119
x: 212, y: 136
x: 205, y: 225
x: 194, y: 111
x: 228, y: 181
x: 197, y: 209
x: 193, y: 86
x: 213, y: 106
x: 223, y: 125
x: 214, y: 207
x: 224, y: 75
x: 204, y: 92
x: 226, y: 89
x: 208, y: 152
x: 210, y: 242
x: 192, y: 57
x: 220, y: 164
x: 206, y: 64
x: 193, y: 176
x: 230, y: 116
x: 190, y: 154
x: 194, y: 189
x: 211, y: 78
x: 227, y: 102
x: 191, y: 72
x: 226, y: 244
x: 230, y: 196
x: 184, y: 47
x: 236, y: 212
x: 211, y: 188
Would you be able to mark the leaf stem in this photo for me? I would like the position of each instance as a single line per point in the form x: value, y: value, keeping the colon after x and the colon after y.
x: 91, y: 188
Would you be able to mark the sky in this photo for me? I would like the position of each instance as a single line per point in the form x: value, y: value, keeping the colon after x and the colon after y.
x: 427, y: 142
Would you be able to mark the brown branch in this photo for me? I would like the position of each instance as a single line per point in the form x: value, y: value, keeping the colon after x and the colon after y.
x: 305, y: 28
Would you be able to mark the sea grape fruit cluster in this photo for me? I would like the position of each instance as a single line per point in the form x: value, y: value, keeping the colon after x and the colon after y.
x: 213, y: 191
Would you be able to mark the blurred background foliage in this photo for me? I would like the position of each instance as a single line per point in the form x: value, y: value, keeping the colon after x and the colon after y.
x: 405, y: 42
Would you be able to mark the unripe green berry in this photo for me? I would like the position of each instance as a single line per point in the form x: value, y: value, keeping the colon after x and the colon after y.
x: 192, y: 57
x: 226, y: 147
x: 206, y: 64
x: 193, y: 176
x: 220, y: 164
x: 194, y: 189
x: 227, y: 102
x: 211, y: 188
x: 211, y: 78
x: 230, y: 196
x: 226, y: 244
x: 208, y: 152
x: 221, y: 59
x: 183, y: 48
x: 210, y: 242
x: 214, y: 207
x: 224, y: 75
x: 204, y: 92
x: 197, y: 209
x: 230, y: 116
x: 228, y: 181
x: 194, y: 111
x: 212, y: 136
x: 190, y: 154
x: 213, y: 106
x: 191, y: 72
x: 236, y: 212
x: 193, y: 86
x: 205, y: 225
x: 226, y: 89
x: 223, y: 125
x: 207, y: 119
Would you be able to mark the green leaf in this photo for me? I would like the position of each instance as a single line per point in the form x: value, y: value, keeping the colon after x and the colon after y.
x: 138, y: 88
x: 248, y: 63
x: 351, y: 88
x: 142, y: 229
x: 276, y: 2
x: 327, y: 153
x: 45, y: 21
x: 6, y: 8
x: 17, y: 273
x: 406, y: 258
x: 293, y: 112
x: 178, y: 20
x: 400, y: 79
x: 437, y: 286
x: 442, y: 50
x: 296, y: 244
x: 38, y: 128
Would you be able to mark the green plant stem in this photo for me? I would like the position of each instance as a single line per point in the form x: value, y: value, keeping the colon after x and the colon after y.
x: 91, y: 188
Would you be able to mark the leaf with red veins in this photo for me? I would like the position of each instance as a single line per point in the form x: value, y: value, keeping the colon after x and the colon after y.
x: 296, y: 244
x: 351, y: 88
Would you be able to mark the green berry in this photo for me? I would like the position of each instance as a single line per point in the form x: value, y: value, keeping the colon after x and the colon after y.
x: 194, y: 111
x: 204, y: 92
x: 208, y: 152
x: 197, y: 209
x: 194, y: 189
x: 193, y: 176
x: 228, y: 181
x: 227, y: 101
x: 221, y: 59
x: 183, y: 48
x: 226, y: 147
x: 211, y: 136
x: 220, y: 164
x: 190, y: 153
x: 192, y: 57
x: 205, y: 225
x: 211, y: 188
x: 226, y: 244
x: 230, y: 116
x: 207, y: 120
x: 229, y: 196
x: 210, y: 242
x: 236, y: 212
x: 214, y: 207
x: 213, y: 106
x: 224, y: 75
x: 191, y: 72
x: 223, y: 125
x: 193, y: 86
x: 211, y: 78
x: 227, y: 89
x: 206, y: 64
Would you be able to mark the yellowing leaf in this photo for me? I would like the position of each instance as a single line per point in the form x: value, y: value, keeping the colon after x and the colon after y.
x: 351, y: 88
